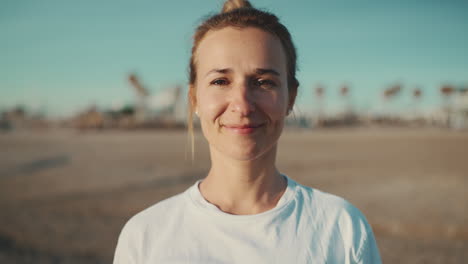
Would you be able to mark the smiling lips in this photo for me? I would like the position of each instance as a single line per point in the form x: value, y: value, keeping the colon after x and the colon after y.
x: 243, y: 129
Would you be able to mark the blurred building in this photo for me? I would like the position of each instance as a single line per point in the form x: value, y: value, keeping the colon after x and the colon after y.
x: 458, y: 115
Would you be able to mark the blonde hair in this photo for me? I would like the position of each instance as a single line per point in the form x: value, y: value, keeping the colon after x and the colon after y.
x: 235, y: 4
x: 241, y: 14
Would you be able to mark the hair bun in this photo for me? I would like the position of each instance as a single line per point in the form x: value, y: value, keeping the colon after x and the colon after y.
x: 230, y: 5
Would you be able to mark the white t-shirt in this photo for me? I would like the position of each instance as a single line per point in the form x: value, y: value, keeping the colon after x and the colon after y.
x: 306, y: 226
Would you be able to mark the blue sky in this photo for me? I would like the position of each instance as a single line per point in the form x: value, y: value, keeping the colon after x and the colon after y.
x: 63, y: 55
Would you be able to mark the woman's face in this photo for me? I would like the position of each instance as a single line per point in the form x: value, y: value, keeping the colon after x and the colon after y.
x: 241, y: 91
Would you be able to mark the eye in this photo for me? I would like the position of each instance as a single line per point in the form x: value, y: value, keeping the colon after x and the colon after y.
x: 265, y: 83
x: 219, y: 82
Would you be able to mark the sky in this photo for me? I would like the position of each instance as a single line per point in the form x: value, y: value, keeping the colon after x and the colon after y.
x: 60, y: 56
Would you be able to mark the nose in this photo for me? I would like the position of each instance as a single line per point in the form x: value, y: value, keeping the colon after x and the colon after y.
x: 242, y: 99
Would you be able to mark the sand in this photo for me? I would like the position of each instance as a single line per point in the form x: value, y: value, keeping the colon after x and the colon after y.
x: 65, y: 195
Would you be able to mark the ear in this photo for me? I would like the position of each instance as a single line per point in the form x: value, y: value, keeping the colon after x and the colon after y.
x: 192, y: 97
x: 292, y: 92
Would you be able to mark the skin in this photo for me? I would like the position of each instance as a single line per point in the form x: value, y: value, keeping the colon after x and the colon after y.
x: 242, y: 100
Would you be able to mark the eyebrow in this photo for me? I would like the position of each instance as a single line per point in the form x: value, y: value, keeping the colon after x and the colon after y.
x: 266, y: 71
x: 226, y: 70
x: 257, y: 71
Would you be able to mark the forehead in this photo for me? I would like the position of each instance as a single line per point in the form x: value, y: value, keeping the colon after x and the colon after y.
x: 240, y: 49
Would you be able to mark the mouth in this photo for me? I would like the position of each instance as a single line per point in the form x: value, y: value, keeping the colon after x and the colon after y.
x: 243, y: 129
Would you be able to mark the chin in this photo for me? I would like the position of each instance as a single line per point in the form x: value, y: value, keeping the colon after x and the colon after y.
x: 245, y: 156
x: 249, y: 153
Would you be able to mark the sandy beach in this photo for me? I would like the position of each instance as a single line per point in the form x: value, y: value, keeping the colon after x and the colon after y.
x: 65, y: 195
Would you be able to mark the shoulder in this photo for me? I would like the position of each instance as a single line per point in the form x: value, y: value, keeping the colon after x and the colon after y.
x: 157, y: 213
x: 134, y: 235
x: 340, y: 221
x: 326, y: 204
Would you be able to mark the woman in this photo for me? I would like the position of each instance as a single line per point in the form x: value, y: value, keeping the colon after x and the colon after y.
x: 242, y: 86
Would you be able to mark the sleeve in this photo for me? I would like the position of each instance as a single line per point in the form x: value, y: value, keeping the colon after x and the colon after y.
x: 369, y: 252
x: 358, y: 239
x: 128, y: 245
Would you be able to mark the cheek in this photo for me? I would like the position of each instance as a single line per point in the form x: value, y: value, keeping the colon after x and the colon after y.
x: 273, y: 104
x: 209, y: 105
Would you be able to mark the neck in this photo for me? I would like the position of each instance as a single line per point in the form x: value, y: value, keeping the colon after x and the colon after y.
x: 243, y: 187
